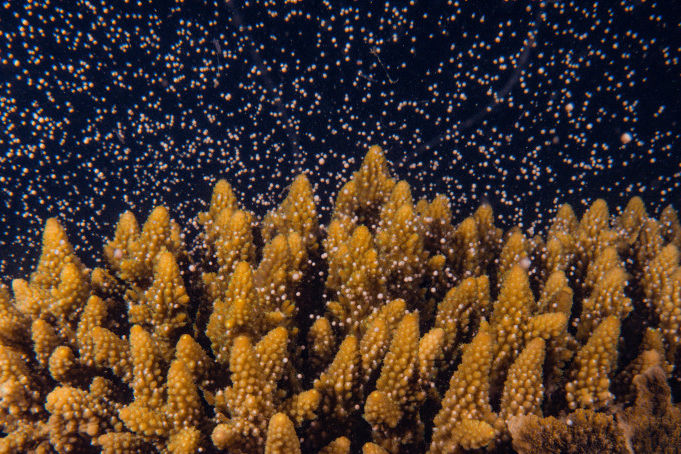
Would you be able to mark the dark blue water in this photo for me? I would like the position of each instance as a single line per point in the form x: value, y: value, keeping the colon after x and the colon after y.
x: 107, y: 106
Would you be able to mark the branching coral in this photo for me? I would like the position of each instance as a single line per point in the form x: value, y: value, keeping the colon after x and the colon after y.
x: 652, y: 424
x: 581, y: 432
x: 396, y: 328
x: 466, y: 413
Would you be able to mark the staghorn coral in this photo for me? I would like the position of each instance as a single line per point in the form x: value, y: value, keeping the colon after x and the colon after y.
x: 354, y: 275
x: 296, y: 213
x: 392, y: 409
x: 391, y: 330
x: 338, y: 384
x: 281, y: 436
x: 131, y: 253
x: 510, y: 316
x: 239, y: 311
x: 671, y: 227
x: 466, y: 406
x: 524, y: 390
x: 669, y: 312
x: 162, y: 307
x: 399, y: 241
x: 592, y: 366
x: 607, y: 297
x: 462, y: 308
x: 360, y: 199
x: 233, y: 244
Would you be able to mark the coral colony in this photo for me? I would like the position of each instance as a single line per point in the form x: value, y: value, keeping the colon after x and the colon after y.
x: 436, y: 226
x: 391, y: 329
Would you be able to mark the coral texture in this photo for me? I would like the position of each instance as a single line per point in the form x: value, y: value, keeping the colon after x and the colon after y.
x: 393, y: 329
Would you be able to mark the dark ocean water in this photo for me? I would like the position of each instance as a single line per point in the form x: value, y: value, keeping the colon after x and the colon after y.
x: 107, y: 106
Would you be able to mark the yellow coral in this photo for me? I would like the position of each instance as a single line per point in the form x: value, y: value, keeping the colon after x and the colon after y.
x: 279, y: 271
x: 281, y: 436
x: 468, y: 395
x: 669, y: 311
x: 194, y: 357
x: 514, y: 252
x: 546, y: 326
x: 44, y: 340
x: 608, y: 298
x: 272, y: 353
x: 338, y: 384
x: 632, y: 219
x: 593, y: 364
x: 248, y: 402
x: 401, y: 361
x: 122, y: 442
x: 94, y: 314
x: 132, y: 253
x: 652, y: 424
x: 397, y: 391
x: 556, y: 296
x: 462, y: 307
x: 380, y: 409
x: 564, y: 221
x: 372, y: 448
x: 340, y: 445
x: 400, y: 245
x: 21, y: 394
x: 651, y: 354
x: 76, y: 412
x: 657, y: 273
x: 245, y: 343
x: 671, y: 227
x: 63, y: 365
x: 509, y: 319
x: 56, y: 253
x: 430, y: 354
x: 147, y: 383
x: 373, y: 347
x: 472, y: 434
x: 466, y: 250
x: 186, y: 441
x: 297, y: 213
x: 368, y: 189
x: 437, y: 217
x: 649, y: 242
x: 183, y: 406
x: 13, y: 324
x: 355, y: 274
x: 239, y: 312
x: 163, y: 306
x: 524, y: 390
x: 58, y: 296
x: 391, y: 313
x: 110, y: 351
x: 222, y: 200
x: 606, y: 260
x: 321, y: 341
x: 582, y: 432
x: 489, y: 235
x: 302, y: 407
x: 593, y: 234
x: 232, y: 243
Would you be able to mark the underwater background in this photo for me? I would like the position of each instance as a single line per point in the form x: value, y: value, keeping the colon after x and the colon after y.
x: 107, y: 106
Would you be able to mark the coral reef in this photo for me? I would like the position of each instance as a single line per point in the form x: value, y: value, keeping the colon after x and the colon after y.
x: 392, y: 329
